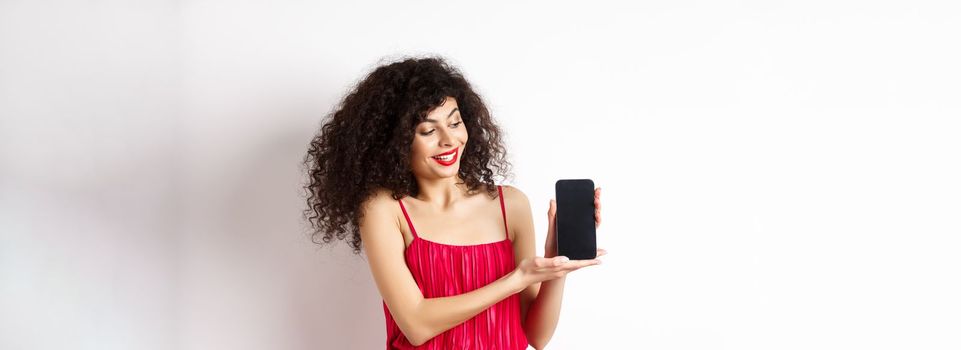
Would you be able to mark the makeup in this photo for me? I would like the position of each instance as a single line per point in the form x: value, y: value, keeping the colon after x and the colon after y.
x: 447, y: 158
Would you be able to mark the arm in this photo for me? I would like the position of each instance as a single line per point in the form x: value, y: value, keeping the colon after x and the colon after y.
x: 540, y: 302
x: 419, y: 318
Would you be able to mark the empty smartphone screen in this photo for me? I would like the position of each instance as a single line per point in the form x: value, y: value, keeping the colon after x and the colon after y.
x: 576, y: 235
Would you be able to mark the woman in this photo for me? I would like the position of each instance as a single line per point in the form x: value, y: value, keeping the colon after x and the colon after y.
x: 413, y: 143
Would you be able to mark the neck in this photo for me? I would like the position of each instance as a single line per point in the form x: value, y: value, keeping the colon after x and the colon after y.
x: 441, y: 193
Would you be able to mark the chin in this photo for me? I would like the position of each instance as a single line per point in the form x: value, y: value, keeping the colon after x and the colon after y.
x: 450, y: 172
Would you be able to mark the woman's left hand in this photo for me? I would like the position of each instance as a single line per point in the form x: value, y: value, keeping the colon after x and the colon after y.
x: 550, y: 246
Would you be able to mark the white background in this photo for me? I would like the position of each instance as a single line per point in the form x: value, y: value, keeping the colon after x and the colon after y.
x: 776, y: 175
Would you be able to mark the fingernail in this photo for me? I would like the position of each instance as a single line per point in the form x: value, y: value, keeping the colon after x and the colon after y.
x: 563, y: 259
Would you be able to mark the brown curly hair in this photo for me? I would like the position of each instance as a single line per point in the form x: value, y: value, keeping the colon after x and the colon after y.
x: 364, y: 144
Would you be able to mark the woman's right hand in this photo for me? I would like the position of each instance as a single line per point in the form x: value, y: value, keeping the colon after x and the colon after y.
x: 539, y: 269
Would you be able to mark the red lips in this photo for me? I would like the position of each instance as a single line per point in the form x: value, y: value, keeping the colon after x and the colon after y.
x: 449, y: 162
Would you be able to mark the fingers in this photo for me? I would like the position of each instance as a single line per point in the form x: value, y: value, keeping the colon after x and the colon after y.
x: 563, y: 263
x: 577, y: 264
x: 557, y: 267
x: 597, y: 198
x: 572, y: 265
x: 597, y: 207
x: 550, y: 262
x: 601, y: 252
x: 584, y: 263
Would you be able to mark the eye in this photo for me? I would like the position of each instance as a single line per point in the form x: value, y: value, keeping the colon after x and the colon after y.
x: 428, y: 133
x: 456, y: 124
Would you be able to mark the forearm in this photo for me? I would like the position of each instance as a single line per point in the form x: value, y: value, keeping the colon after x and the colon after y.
x: 545, y: 310
x: 436, y: 315
x: 544, y: 313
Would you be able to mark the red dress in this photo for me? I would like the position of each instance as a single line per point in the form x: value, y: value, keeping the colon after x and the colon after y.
x: 442, y: 270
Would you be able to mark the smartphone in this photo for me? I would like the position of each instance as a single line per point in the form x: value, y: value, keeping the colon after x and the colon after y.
x: 576, y: 235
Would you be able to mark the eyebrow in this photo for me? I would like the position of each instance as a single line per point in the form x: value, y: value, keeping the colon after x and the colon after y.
x: 448, y: 116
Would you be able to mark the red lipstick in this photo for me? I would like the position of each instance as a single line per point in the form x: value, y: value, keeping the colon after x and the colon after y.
x: 449, y: 158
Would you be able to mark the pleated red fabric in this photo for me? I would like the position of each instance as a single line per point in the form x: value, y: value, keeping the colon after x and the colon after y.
x: 445, y: 270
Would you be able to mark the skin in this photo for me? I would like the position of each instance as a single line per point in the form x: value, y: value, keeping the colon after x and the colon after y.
x: 444, y: 204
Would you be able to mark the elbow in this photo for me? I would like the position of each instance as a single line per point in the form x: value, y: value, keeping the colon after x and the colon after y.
x: 415, y: 328
x: 417, y: 342
x: 417, y: 335
x: 417, y: 339
x: 536, y: 341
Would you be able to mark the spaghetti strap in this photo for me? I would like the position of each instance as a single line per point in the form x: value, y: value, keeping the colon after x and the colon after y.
x: 409, y: 224
x: 500, y: 193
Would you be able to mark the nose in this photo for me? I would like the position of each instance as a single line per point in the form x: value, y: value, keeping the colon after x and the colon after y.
x: 446, y: 139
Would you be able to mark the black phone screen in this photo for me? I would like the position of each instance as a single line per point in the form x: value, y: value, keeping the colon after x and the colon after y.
x: 576, y: 235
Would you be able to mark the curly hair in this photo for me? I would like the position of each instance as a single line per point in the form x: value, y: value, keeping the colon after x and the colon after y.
x: 365, y: 143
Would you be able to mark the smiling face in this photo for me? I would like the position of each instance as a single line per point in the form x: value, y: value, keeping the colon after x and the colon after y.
x: 438, y: 142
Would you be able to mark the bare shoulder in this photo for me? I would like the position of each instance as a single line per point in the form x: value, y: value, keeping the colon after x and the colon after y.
x: 378, y: 217
x: 514, y: 195
x: 518, y: 210
x: 378, y: 202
